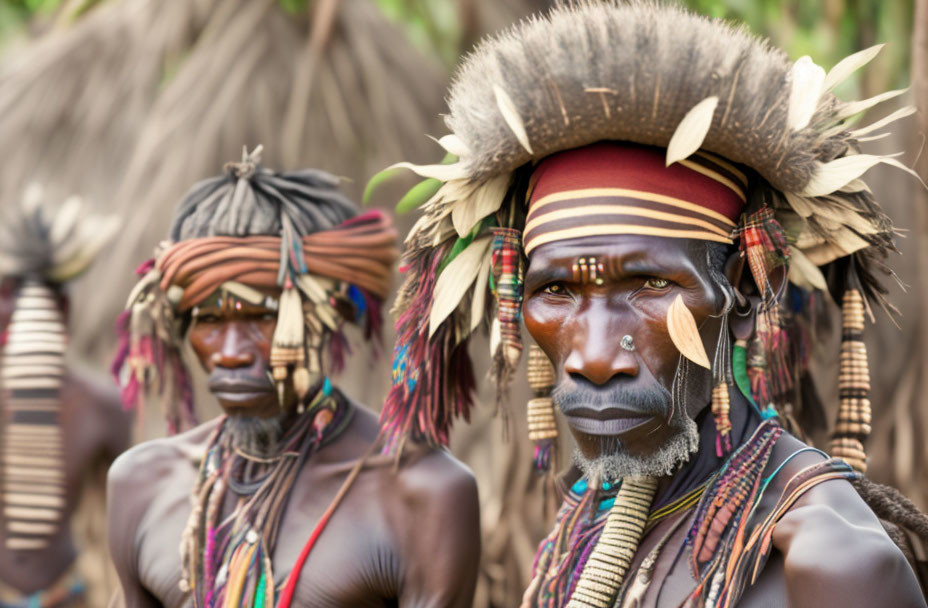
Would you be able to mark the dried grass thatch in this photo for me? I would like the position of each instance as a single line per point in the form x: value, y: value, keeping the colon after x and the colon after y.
x: 138, y: 99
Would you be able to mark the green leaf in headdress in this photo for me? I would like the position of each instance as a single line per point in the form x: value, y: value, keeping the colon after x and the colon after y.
x: 462, y: 243
x: 376, y: 180
x: 418, y: 195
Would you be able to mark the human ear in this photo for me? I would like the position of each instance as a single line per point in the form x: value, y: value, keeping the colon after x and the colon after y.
x: 748, y: 297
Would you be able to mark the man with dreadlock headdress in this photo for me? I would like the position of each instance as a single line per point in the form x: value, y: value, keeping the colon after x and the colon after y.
x: 666, y: 199
x: 290, y: 506
x: 59, y: 424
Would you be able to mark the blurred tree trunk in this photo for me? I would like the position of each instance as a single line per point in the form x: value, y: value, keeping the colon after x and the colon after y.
x: 920, y: 90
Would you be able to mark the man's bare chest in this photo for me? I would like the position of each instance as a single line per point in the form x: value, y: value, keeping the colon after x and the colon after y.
x: 354, y: 562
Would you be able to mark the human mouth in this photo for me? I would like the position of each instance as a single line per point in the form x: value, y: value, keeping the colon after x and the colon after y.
x: 606, y: 421
x: 239, y: 391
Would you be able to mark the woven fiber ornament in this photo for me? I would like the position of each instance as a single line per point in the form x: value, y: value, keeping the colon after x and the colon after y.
x: 508, y: 270
x: 853, y: 424
x: 542, y: 425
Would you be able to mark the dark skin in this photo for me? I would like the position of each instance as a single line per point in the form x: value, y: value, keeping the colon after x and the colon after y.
x: 95, y: 431
x: 406, y: 537
x: 829, y: 549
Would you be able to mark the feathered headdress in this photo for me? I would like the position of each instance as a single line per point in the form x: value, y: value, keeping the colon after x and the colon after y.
x: 642, y: 73
x: 52, y: 244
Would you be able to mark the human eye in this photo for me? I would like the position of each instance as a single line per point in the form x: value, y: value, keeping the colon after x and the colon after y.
x: 656, y: 283
x: 555, y: 289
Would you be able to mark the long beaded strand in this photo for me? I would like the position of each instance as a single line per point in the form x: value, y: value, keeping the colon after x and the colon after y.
x: 853, y: 424
x: 605, y: 570
x: 227, y: 561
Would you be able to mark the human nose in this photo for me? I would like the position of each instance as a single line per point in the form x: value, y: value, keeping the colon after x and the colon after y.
x: 232, y: 352
x: 596, y: 353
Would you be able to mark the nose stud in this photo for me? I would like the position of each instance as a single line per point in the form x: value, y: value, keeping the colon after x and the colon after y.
x: 628, y: 343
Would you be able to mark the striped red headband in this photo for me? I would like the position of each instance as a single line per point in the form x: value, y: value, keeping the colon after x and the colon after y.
x: 613, y: 188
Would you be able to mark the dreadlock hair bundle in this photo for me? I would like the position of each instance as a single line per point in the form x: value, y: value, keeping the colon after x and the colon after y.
x: 892, y: 506
x: 542, y: 425
x: 853, y: 424
x: 31, y: 372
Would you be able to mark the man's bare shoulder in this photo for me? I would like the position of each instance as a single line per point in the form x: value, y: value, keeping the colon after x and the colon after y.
x: 423, y: 472
x: 436, y: 475
x: 834, y: 548
x: 146, y: 466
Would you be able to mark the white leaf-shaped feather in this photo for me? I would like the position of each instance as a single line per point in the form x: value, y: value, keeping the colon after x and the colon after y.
x: 898, y: 114
x: 454, y: 281
x: 440, y: 172
x: 65, y: 220
x: 692, y: 130
x: 873, y: 137
x: 32, y: 198
x: 511, y: 115
x: 454, y: 144
x: 892, y: 162
x: 484, y: 200
x: 856, y: 185
x: 834, y: 175
x: 849, y: 65
x: 479, y: 303
x: 495, y: 335
x: 681, y: 325
x: 801, y: 205
x: 806, y: 84
x: 856, y: 107
x: 804, y: 273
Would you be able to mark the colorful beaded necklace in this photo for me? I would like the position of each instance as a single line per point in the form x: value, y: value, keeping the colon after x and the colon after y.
x: 723, y: 505
x: 227, y: 558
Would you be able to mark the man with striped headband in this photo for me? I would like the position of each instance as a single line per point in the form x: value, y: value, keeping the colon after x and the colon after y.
x: 648, y: 189
x: 281, y: 501
x: 61, y: 426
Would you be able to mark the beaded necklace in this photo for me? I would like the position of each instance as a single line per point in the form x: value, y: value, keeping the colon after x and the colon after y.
x: 578, y: 527
x: 227, y: 559
x: 723, y: 506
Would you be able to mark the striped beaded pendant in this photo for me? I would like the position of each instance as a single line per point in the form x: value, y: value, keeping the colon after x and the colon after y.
x: 853, y: 424
x: 605, y: 570
x: 542, y: 425
x: 31, y: 374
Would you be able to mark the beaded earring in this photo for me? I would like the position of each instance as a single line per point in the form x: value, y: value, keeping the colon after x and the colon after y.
x: 853, y: 424
x: 542, y: 426
x: 722, y: 379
